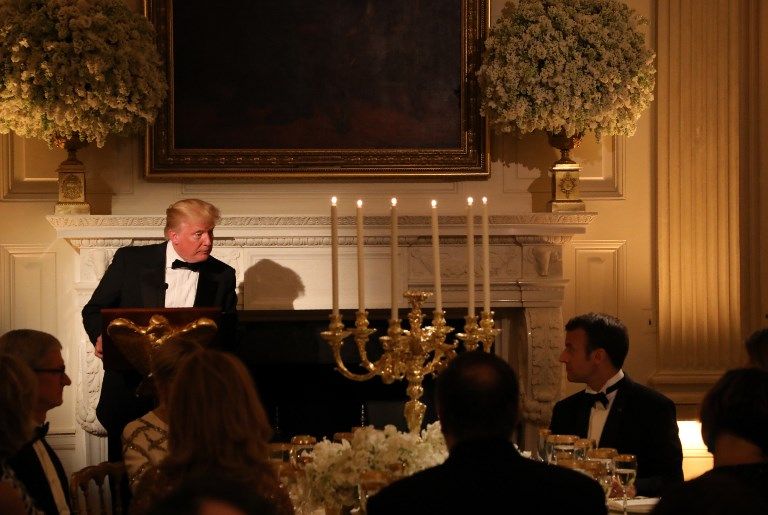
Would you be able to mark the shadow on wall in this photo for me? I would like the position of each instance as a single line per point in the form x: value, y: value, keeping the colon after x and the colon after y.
x: 269, y: 285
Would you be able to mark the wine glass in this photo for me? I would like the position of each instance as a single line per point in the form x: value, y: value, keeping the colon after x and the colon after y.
x: 542, y: 443
x: 564, y: 445
x: 581, y: 447
x: 625, y: 469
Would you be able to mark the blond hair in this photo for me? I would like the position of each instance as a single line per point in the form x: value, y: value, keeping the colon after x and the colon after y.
x: 18, y: 395
x: 188, y: 210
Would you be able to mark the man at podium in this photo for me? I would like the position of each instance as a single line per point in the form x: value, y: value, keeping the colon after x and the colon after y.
x: 177, y: 273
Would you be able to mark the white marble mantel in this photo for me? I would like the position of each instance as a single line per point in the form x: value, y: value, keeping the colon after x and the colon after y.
x: 281, y: 263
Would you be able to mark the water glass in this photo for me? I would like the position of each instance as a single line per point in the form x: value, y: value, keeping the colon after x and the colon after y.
x: 541, y: 447
x: 580, y: 448
x: 562, y: 445
x: 625, y: 470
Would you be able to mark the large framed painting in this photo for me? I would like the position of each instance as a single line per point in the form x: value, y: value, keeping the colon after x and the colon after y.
x: 319, y: 89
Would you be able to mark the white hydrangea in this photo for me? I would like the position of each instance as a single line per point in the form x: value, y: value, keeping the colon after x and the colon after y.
x: 76, y: 68
x: 575, y: 65
x: 335, y: 469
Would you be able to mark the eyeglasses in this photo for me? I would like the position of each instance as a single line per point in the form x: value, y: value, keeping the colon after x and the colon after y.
x: 60, y: 370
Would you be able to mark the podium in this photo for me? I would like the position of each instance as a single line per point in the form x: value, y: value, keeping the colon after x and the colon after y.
x: 130, y: 334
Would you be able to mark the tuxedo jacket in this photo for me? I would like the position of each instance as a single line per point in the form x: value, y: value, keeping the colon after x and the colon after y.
x: 490, y: 476
x: 29, y: 471
x: 136, y: 279
x: 642, y: 422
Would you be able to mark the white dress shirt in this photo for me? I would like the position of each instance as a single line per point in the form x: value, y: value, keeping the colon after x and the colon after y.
x: 182, y: 282
x: 53, y: 478
x: 599, y: 413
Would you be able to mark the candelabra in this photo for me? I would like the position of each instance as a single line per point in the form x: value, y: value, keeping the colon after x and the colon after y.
x: 410, y: 354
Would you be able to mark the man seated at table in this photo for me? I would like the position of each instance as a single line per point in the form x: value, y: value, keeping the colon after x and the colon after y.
x: 478, y: 406
x: 614, y: 411
x: 734, y: 425
x: 36, y: 464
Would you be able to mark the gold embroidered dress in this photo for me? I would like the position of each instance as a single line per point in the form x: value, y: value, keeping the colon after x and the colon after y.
x: 145, y: 445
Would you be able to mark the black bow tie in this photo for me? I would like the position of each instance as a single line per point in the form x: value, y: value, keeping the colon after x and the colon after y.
x: 602, y: 397
x: 195, y: 267
x: 40, y: 431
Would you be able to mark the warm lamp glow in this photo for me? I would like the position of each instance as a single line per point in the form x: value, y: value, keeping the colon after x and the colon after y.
x: 696, y: 458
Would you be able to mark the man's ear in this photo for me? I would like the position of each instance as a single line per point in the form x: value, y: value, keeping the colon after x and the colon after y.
x: 599, y: 355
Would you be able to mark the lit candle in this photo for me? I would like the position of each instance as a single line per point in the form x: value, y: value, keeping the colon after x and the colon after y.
x: 436, y: 256
x: 360, y: 262
x: 470, y: 256
x: 486, y: 260
x: 393, y: 260
x: 335, y: 256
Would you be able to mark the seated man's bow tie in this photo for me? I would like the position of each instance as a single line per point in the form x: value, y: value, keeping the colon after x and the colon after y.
x: 40, y: 431
x: 602, y: 397
x: 195, y: 267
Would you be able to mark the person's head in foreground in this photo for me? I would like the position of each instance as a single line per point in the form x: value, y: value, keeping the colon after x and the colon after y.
x: 42, y: 353
x: 477, y: 397
x: 734, y: 417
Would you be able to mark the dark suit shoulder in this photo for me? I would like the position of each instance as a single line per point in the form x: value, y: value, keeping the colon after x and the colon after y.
x: 646, y: 394
x: 218, y: 266
x: 141, y: 251
x: 571, y: 400
x: 488, y: 483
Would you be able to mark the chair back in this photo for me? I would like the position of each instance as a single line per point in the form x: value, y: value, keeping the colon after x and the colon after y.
x: 81, y: 481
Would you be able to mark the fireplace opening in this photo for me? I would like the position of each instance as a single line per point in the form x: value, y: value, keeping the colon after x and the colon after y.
x: 296, y: 376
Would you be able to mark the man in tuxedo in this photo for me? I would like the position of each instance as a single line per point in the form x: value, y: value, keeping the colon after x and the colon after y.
x: 36, y: 464
x: 613, y: 410
x: 478, y: 405
x: 177, y: 273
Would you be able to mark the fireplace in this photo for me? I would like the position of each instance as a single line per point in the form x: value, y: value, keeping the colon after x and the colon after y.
x: 280, y: 264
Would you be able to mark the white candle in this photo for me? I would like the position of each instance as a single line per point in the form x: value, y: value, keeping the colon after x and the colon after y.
x: 335, y: 256
x: 436, y: 255
x: 470, y: 257
x: 360, y: 261
x: 486, y: 260
x: 393, y: 260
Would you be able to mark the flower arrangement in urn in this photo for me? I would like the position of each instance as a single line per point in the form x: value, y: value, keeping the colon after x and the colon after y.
x: 567, y: 67
x: 74, y: 71
x: 83, y: 68
x: 335, y: 469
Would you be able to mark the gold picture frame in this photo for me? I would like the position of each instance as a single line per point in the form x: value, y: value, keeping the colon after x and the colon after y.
x: 308, y: 90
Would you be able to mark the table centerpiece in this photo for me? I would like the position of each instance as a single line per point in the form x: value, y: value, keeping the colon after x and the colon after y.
x: 335, y: 468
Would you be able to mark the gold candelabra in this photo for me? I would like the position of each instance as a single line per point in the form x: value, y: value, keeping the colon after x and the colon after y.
x: 410, y: 354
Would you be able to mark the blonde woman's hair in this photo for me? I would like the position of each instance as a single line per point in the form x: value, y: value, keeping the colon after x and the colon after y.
x: 18, y: 395
x: 215, y: 418
x: 188, y: 210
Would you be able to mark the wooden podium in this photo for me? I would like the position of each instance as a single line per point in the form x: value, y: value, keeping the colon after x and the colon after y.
x: 135, y: 331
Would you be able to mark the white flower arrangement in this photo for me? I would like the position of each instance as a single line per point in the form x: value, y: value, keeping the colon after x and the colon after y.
x: 334, y: 472
x: 576, y: 66
x: 76, y: 68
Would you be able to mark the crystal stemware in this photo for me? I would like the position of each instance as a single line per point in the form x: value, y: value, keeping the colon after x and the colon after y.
x: 625, y: 469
